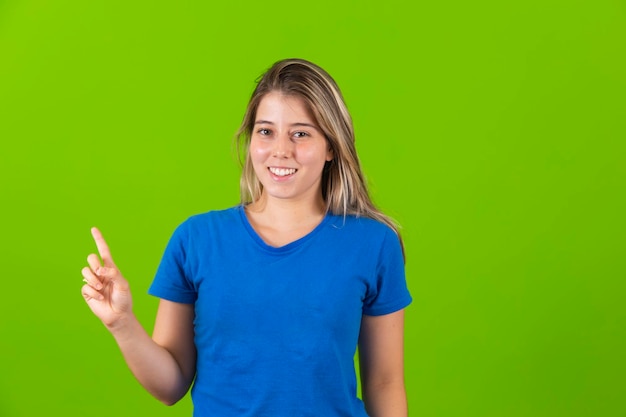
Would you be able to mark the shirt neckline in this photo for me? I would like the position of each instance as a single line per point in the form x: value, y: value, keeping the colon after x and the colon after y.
x: 280, y: 249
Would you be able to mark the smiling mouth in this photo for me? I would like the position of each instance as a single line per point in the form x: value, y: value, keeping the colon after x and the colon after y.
x: 282, y: 172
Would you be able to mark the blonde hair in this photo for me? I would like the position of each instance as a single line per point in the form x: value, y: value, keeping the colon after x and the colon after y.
x: 343, y: 184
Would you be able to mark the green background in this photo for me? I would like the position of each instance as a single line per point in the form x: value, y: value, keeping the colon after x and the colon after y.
x: 493, y: 131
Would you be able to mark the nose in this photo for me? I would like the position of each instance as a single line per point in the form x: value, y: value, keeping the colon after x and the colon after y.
x: 282, y: 147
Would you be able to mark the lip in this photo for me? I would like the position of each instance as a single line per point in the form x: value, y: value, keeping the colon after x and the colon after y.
x: 272, y: 171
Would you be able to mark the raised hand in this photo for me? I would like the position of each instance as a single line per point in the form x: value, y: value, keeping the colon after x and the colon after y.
x: 106, y: 291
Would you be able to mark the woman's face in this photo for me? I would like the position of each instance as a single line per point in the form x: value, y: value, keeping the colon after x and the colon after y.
x: 287, y: 149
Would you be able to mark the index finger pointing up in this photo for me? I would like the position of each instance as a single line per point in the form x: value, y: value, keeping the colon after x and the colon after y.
x: 103, y: 248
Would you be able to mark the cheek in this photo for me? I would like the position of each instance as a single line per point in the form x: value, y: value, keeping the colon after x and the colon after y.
x: 258, y: 153
x: 313, y: 155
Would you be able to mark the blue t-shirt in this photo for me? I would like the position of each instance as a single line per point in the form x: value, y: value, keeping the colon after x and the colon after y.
x: 276, y: 329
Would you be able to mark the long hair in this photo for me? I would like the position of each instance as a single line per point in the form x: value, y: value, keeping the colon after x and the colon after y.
x: 344, y: 188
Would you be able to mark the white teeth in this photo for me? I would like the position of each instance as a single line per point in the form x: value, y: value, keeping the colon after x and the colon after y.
x: 281, y: 172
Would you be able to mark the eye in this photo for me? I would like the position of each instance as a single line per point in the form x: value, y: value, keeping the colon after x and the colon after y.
x: 300, y: 134
x: 263, y: 131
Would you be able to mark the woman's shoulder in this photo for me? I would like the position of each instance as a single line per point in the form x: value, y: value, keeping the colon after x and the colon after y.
x: 361, y: 225
x: 217, y: 218
x: 216, y: 214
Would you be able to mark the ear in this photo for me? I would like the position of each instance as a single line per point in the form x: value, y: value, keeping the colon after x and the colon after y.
x: 330, y: 155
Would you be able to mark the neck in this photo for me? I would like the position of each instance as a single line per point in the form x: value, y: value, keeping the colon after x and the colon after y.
x: 287, y: 212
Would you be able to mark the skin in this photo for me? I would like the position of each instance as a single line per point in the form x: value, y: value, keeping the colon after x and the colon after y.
x: 381, y: 360
x: 165, y: 363
x: 285, y: 138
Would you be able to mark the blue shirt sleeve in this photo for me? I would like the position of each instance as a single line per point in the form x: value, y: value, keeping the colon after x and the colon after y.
x: 389, y: 292
x: 173, y: 280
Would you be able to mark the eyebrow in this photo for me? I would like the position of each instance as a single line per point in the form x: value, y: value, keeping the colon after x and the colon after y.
x: 260, y: 122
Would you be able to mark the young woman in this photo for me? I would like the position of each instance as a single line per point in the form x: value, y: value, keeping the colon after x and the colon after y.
x: 263, y: 305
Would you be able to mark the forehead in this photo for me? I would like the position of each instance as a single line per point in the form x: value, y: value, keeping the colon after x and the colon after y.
x: 276, y: 105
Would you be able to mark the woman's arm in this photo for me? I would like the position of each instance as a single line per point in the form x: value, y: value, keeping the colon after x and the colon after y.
x: 381, y: 359
x: 164, y: 363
